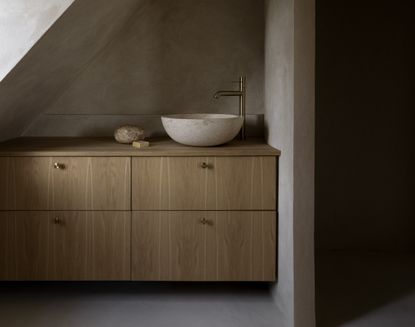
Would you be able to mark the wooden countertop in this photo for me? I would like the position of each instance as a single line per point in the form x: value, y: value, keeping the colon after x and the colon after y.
x: 103, y: 147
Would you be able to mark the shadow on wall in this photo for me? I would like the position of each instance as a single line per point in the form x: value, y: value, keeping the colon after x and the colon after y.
x: 353, y: 286
x: 365, y: 157
x: 365, y: 135
x: 55, y: 61
x: 172, y: 56
x: 124, y: 59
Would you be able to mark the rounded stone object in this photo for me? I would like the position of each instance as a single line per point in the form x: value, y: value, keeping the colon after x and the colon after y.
x: 128, y: 134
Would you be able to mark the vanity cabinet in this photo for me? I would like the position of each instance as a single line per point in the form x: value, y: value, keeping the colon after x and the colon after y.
x: 65, y: 183
x: 204, y: 183
x: 65, y: 245
x: 204, y: 245
x: 92, y: 209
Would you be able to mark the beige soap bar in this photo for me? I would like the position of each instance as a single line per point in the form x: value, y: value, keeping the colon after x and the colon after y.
x: 141, y: 144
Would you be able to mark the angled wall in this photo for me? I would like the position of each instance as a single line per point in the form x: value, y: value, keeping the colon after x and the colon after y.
x: 54, y: 62
x: 22, y: 24
x: 170, y: 57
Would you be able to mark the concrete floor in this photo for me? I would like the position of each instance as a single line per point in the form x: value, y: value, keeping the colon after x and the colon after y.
x: 353, y: 290
x: 365, y: 290
x: 137, y: 304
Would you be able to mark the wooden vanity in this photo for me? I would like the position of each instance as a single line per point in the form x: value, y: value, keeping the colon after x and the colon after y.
x: 93, y: 209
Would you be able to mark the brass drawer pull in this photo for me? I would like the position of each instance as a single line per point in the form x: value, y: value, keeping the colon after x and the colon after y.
x: 205, y: 165
x: 58, y: 165
x: 205, y: 221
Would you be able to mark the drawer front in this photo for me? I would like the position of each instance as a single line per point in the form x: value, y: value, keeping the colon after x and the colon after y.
x: 45, y: 183
x: 87, y: 245
x: 204, y: 246
x: 197, y: 183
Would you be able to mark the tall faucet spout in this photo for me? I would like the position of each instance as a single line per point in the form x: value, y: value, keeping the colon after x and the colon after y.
x: 241, y: 93
x: 219, y: 94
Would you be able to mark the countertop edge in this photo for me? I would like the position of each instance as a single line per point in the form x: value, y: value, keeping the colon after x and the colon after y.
x: 106, y: 147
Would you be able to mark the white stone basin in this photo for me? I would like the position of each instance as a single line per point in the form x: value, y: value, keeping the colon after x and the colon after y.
x: 202, y: 129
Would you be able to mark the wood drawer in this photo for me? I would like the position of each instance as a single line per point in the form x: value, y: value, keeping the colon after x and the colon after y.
x: 204, y: 183
x: 65, y: 183
x: 87, y: 245
x: 204, y: 246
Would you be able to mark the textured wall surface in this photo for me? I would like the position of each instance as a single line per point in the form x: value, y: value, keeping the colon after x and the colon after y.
x: 92, y: 125
x: 279, y: 127
x: 365, y: 178
x: 289, y: 122
x: 81, y: 33
x: 172, y: 56
x: 22, y: 23
x: 169, y: 57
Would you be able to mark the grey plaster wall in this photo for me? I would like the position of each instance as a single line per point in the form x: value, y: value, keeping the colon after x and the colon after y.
x: 102, y: 125
x: 73, y: 42
x: 365, y: 177
x: 289, y: 122
x: 279, y: 126
x: 169, y: 57
x: 22, y: 23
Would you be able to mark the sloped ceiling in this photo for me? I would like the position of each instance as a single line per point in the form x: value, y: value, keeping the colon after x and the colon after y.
x: 105, y: 63
x: 172, y: 56
x: 22, y: 23
x: 80, y: 34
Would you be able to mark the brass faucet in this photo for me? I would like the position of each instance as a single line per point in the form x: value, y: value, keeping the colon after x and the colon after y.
x: 241, y: 93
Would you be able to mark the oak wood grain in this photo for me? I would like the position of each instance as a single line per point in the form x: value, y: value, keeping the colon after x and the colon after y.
x: 69, y: 248
x: 229, y: 246
x: 110, y: 245
x: 167, y: 246
x: 243, y: 183
x: 227, y: 183
x: 76, y: 245
x: 93, y: 245
x: 26, y: 183
x: 107, y: 147
x: 25, y: 246
x: 243, y: 244
x: 90, y: 183
x: 6, y: 235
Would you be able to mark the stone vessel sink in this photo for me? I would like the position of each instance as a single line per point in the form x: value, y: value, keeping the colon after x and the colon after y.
x: 202, y: 129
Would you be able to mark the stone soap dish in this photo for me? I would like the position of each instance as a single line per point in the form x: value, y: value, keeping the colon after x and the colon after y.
x: 202, y: 129
x: 128, y: 134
